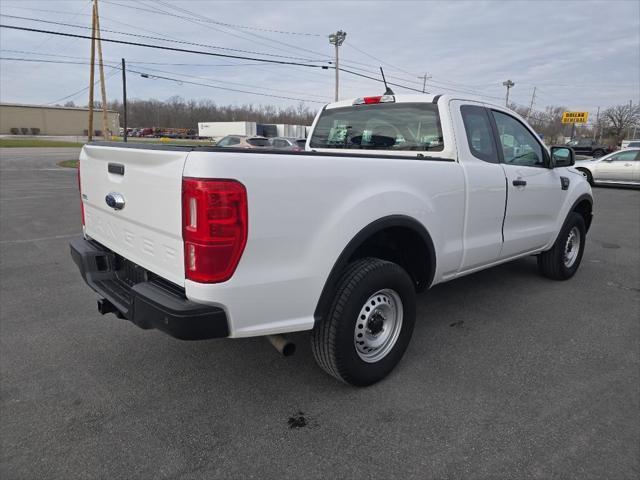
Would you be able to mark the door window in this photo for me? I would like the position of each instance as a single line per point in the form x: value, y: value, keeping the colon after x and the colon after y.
x: 479, y: 133
x: 624, y: 156
x: 519, y: 146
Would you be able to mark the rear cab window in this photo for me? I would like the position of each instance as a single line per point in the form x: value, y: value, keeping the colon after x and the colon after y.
x: 258, y: 142
x: 480, y: 136
x: 389, y: 127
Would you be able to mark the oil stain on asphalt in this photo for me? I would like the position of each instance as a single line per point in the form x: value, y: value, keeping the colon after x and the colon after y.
x: 301, y: 420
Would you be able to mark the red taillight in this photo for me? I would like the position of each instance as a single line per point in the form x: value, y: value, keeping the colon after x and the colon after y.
x: 214, y: 228
x: 80, y: 190
x: 368, y: 100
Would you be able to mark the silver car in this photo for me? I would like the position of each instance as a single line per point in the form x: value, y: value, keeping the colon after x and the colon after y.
x: 621, y: 167
x: 288, y: 143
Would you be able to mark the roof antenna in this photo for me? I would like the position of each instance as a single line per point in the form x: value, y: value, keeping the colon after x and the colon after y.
x: 388, y: 91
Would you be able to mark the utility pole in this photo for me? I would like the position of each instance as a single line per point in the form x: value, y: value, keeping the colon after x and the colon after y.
x: 509, y: 84
x: 533, y: 97
x: 337, y: 39
x: 597, y: 127
x: 124, y: 97
x: 92, y: 74
x: 424, y: 78
x: 103, y: 87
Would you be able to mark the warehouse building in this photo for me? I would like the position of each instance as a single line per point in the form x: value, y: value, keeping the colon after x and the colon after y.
x: 16, y: 119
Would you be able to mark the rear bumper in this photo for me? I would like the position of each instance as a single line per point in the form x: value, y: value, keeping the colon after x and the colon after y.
x: 151, y: 303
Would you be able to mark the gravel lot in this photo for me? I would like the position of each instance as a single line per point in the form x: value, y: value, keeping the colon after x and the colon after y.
x: 508, y: 375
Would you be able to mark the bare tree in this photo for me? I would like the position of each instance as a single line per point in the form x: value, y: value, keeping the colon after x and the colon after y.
x: 176, y: 112
x: 620, y: 118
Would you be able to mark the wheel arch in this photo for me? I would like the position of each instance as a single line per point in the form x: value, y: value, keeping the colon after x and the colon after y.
x: 381, y: 239
x: 584, y: 206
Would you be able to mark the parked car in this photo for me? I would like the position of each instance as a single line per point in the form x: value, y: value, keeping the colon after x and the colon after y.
x: 630, y: 144
x: 288, y: 143
x: 394, y: 195
x: 591, y: 148
x: 243, y: 141
x: 621, y: 167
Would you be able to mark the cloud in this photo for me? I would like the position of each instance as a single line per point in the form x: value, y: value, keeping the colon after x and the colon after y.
x: 464, y: 46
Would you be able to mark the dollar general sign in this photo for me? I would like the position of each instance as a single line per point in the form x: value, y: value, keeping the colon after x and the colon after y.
x: 575, y: 117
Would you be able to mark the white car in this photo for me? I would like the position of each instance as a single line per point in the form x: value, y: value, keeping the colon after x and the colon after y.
x: 621, y: 167
x: 393, y: 195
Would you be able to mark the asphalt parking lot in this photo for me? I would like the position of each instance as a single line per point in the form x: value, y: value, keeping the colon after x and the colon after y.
x: 508, y: 375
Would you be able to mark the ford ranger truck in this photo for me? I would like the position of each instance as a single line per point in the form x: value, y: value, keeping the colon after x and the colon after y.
x: 392, y: 195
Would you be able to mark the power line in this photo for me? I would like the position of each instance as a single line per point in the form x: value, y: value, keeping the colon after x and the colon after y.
x: 235, y: 26
x: 114, y: 64
x: 154, y: 76
x: 82, y: 90
x: 27, y: 52
x: 162, y: 47
x: 177, y: 80
x: 347, y: 62
x: 183, y: 42
x: 379, y: 60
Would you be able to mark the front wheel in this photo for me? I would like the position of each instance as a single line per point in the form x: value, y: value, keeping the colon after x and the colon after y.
x: 563, y: 259
x: 587, y: 175
x: 369, y: 324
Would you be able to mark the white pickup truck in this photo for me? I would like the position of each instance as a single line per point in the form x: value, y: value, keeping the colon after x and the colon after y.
x: 393, y: 195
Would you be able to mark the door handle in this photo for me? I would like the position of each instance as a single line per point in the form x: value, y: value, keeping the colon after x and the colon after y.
x: 628, y: 165
x: 519, y: 183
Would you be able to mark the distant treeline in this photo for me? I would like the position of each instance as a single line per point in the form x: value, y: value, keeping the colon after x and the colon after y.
x: 613, y: 124
x: 177, y: 112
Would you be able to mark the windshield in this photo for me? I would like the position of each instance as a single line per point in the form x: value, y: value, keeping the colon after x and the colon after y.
x: 383, y: 126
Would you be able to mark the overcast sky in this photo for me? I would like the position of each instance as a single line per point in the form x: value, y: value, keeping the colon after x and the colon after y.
x: 581, y: 54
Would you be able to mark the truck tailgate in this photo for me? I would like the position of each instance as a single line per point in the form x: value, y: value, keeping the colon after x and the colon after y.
x: 148, y: 229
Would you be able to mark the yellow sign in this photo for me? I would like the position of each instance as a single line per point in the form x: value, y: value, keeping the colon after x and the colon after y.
x: 575, y: 117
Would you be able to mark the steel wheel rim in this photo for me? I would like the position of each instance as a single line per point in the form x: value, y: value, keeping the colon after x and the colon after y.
x: 571, y: 247
x: 378, y: 325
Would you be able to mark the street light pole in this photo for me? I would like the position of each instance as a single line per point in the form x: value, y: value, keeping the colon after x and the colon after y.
x: 509, y: 84
x: 337, y: 39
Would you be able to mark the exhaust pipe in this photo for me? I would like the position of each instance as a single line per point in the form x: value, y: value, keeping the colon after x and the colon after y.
x: 282, y: 344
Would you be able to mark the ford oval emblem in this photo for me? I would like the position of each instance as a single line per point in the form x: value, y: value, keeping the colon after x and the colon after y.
x: 115, y: 200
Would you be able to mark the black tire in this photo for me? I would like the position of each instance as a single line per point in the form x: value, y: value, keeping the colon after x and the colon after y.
x: 552, y: 262
x: 587, y: 174
x: 332, y: 340
x: 598, y: 153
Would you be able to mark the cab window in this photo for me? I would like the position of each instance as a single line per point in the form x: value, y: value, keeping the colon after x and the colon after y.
x: 479, y: 133
x: 519, y: 146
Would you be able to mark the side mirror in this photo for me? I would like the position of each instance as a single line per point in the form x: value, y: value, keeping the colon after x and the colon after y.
x: 562, y: 156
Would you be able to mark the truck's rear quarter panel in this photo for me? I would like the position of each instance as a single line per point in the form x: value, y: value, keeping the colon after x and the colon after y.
x: 303, y: 210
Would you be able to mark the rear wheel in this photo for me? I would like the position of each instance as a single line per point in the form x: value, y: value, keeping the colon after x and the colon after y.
x: 562, y: 261
x: 369, y: 324
x: 598, y: 153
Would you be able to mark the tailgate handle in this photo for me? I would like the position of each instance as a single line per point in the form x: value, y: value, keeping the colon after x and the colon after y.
x: 116, y: 168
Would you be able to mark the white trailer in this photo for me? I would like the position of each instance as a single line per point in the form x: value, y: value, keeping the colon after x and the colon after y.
x: 221, y: 129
